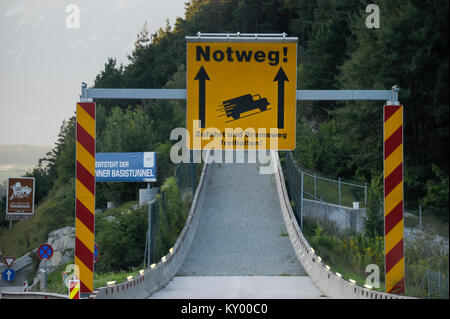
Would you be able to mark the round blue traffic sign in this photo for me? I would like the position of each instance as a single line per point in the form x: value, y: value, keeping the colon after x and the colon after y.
x: 9, y: 274
x: 45, y: 251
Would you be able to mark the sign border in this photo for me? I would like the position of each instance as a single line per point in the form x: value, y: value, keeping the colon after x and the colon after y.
x: 39, y: 255
x: 241, y: 40
x: 9, y: 264
x: 7, y: 198
x: 144, y: 180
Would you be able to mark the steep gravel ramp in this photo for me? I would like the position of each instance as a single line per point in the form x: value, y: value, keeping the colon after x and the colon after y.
x: 241, y: 231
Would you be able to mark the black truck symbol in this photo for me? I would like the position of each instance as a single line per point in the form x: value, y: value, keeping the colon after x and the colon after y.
x: 236, y: 106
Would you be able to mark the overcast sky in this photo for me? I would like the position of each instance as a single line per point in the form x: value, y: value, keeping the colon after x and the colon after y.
x: 43, y: 62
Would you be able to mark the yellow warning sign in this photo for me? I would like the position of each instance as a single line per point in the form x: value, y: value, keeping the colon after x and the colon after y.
x: 241, y: 95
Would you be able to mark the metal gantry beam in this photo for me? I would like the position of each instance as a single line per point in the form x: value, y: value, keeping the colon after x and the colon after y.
x: 180, y: 94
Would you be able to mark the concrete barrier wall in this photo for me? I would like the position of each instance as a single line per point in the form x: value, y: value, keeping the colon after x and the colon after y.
x: 158, y: 276
x: 341, y: 217
x: 329, y: 282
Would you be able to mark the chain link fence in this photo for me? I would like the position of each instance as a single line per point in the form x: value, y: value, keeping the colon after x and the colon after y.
x: 187, y: 177
x: 304, y: 184
x: 426, y: 233
x: 434, y: 285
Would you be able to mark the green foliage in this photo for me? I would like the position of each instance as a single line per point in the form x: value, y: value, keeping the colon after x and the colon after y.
x: 421, y: 255
x: 374, y: 222
x: 342, y: 53
x: 171, y: 216
x: 336, y: 51
x: 352, y: 252
x: 120, y: 234
x: 437, y: 189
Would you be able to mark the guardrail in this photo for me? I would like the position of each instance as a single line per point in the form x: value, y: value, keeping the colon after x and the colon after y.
x: 330, y: 283
x: 158, y: 275
x: 31, y: 295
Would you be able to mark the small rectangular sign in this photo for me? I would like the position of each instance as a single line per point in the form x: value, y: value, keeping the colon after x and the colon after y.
x: 125, y: 167
x: 20, y: 198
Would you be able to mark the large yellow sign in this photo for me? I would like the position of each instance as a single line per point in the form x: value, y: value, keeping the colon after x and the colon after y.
x: 241, y: 95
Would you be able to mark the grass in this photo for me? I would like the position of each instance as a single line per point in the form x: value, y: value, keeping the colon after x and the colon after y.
x: 349, y: 255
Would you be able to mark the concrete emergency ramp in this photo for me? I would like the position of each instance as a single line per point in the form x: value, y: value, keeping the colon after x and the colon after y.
x: 241, y: 248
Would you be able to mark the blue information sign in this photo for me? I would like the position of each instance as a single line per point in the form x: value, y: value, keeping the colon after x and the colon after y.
x: 9, y: 274
x: 125, y: 167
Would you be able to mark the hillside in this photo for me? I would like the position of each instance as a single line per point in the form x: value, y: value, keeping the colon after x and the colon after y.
x: 336, y: 51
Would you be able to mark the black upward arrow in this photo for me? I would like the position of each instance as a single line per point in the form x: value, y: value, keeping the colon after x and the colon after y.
x: 201, y: 76
x: 280, y: 78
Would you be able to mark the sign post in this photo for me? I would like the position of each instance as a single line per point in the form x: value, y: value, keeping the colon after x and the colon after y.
x: 44, y: 252
x: 20, y: 198
x: 85, y: 195
x: 241, y: 91
x: 393, y: 199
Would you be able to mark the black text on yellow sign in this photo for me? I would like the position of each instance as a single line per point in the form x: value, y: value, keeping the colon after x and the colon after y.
x: 241, y: 95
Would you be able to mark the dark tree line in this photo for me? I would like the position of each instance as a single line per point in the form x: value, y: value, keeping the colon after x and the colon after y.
x: 336, y: 51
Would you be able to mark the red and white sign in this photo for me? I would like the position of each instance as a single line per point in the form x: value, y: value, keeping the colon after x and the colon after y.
x: 9, y: 261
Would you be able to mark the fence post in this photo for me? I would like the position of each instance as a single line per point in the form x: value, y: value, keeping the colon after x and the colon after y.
x: 365, y: 195
x: 149, y: 232
x: 145, y: 249
x: 339, y: 191
x: 315, y: 185
x: 439, y: 283
x: 301, y: 202
x: 420, y: 217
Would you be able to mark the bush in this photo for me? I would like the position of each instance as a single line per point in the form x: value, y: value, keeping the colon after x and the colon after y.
x: 121, y: 234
